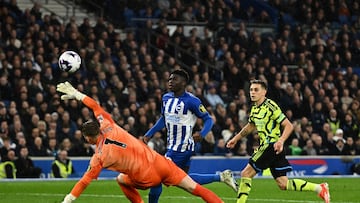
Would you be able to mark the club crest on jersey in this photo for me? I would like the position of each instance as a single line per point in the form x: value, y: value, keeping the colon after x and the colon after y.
x: 179, y: 107
x: 202, y: 108
x: 100, y: 118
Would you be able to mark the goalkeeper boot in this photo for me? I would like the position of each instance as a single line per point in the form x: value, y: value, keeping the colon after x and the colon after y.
x: 228, y: 178
x: 324, y: 192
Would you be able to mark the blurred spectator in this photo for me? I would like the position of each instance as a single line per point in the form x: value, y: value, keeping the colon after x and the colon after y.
x: 188, y: 14
x: 339, y: 133
x: 321, y: 149
x: 296, y: 134
x: 309, y: 149
x: 339, y: 148
x: 157, y: 143
x: 357, y: 146
x: 228, y: 131
x: 79, y: 146
x: 66, y: 144
x: 38, y: 148
x: 263, y: 18
x: 25, y: 167
x: 346, y: 98
x: 350, y: 146
x: 242, y: 149
x: 206, y: 145
x: 52, y: 147
x: 65, y: 127
x: 225, y: 94
x: 7, y: 165
x: 220, y: 148
x: 220, y: 113
x: 35, y: 10
x: 7, y: 145
x: 142, y: 125
x: 6, y: 90
x: 42, y: 129
x: 62, y: 166
x: 333, y: 120
x: 213, y: 97
x: 349, y: 126
x: 21, y: 142
x: 294, y: 148
x: 318, y: 117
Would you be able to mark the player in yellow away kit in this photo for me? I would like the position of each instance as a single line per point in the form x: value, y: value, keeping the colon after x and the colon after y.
x: 267, y: 119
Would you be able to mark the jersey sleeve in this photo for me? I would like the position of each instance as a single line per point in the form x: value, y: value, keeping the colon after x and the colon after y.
x: 101, y: 115
x: 200, y: 111
x: 278, y: 115
x: 160, y: 124
x: 197, y: 108
x: 93, y: 105
x: 251, y: 119
x: 92, y: 173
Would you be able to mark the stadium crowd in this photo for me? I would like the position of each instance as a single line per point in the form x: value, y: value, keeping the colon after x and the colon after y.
x: 310, y: 64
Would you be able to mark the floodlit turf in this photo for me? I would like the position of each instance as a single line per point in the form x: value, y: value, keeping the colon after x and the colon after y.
x: 264, y: 190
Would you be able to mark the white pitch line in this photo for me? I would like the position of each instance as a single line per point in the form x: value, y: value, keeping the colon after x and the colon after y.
x: 175, y: 197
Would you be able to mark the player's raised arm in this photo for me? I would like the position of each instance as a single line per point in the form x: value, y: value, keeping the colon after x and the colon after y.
x: 71, y: 93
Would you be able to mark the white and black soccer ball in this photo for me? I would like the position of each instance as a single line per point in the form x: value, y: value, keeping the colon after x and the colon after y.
x: 69, y: 61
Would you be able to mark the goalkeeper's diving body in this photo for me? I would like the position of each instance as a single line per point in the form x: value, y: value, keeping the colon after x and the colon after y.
x: 139, y: 166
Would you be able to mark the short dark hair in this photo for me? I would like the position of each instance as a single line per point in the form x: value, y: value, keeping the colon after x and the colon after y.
x: 260, y: 82
x: 90, y: 128
x: 182, y: 73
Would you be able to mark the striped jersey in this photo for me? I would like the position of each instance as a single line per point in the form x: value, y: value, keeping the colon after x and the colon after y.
x: 180, y: 115
x: 267, y: 118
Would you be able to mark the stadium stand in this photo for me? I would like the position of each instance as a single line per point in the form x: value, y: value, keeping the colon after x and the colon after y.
x: 307, y: 51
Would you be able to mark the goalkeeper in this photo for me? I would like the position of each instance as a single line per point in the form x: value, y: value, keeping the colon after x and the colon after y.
x: 139, y: 166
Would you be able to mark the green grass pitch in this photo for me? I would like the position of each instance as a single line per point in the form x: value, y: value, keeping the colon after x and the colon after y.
x: 342, y: 190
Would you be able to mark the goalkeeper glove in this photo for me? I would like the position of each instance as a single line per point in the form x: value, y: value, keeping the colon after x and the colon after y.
x: 69, y: 91
x: 69, y: 198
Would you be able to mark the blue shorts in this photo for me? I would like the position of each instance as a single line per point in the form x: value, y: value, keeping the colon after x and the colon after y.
x: 181, y: 159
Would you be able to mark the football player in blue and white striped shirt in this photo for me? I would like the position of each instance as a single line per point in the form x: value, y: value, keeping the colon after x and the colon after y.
x: 180, y: 110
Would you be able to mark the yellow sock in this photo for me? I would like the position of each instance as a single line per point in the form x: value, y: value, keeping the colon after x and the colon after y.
x: 244, y: 190
x: 301, y: 185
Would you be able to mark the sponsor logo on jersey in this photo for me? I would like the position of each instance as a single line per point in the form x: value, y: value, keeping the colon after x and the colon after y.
x: 202, y: 108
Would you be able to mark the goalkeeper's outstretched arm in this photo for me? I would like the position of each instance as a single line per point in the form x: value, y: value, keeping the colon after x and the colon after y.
x: 81, y: 185
x: 71, y: 93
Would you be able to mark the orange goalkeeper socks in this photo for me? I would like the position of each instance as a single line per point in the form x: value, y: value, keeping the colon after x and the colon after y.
x: 206, y: 194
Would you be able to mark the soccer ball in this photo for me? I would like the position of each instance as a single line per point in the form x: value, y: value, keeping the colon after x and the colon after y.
x: 69, y: 61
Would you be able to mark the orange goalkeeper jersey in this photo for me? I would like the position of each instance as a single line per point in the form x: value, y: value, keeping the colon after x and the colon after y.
x: 116, y: 149
x: 119, y: 151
